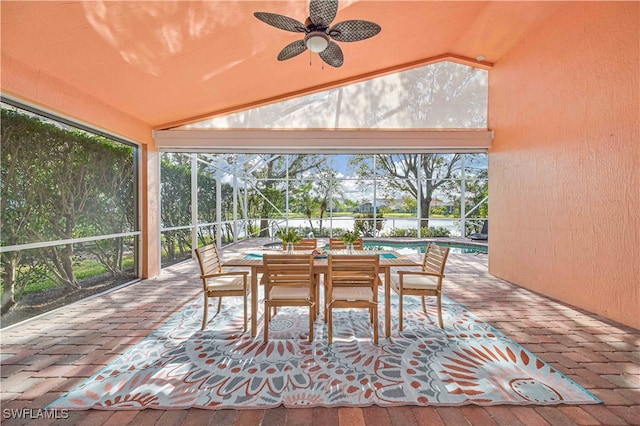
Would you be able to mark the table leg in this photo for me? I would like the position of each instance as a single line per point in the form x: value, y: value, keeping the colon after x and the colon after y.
x: 254, y: 301
x: 387, y: 301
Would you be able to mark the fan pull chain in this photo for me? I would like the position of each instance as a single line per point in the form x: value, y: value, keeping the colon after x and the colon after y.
x: 310, y: 56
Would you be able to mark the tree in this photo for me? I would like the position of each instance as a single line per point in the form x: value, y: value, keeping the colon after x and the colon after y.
x: 327, y: 187
x: 269, y: 182
x: 409, y: 204
x: 476, y: 197
x: 208, y: 191
x: 58, y: 184
x: 18, y: 197
x: 401, y: 172
x: 112, y: 209
x: 303, y: 199
x: 175, y: 193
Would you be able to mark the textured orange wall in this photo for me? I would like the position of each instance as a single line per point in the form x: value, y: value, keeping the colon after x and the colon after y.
x: 564, y: 166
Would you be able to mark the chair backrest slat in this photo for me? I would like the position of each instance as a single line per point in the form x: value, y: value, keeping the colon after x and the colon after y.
x: 304, y: 244
x: 345, y: 270
x: 208, y: 259
x: 288, y: 269
x: 435, y: 258
x: 338, y: 244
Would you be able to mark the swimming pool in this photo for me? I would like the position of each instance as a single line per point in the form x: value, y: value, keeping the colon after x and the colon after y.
x: 413, y: 247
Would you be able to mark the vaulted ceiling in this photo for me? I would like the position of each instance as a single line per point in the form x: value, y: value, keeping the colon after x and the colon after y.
x: 172, y: 62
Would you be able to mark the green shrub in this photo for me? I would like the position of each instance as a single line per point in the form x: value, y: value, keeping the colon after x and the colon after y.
x: 401, y: 232
x: 436, y: 231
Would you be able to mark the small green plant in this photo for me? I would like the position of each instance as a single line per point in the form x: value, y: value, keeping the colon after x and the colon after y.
x: 350, y: 237
x: 289, y: 235
x: 364, y: 224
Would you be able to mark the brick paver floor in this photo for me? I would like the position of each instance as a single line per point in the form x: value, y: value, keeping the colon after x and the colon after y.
x: 49, y: 355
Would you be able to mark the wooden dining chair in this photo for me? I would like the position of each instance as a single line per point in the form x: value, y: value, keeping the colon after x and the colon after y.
x: 304, y: 244
x: 338, y: 244
x: 427, y: 282
x: 289, y: 281
x: 218, y: 283
x: 353, y: 283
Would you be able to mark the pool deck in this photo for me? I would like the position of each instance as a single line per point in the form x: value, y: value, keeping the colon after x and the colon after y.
x: 44, y: 357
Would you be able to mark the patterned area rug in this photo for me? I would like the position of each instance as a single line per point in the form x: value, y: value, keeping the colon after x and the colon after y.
x: 180, y: 366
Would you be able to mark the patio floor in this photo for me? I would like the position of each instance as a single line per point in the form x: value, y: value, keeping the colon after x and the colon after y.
x: 44, y: 357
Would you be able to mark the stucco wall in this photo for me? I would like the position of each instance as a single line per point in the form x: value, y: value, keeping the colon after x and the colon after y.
x: 564, y: 167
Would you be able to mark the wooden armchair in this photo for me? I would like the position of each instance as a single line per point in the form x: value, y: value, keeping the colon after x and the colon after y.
x: 217, y: 283
x: 338, y: 244
x: 353, y: 283
x: 427, y: 282
x: 289, y: 281
x: 304, y: 244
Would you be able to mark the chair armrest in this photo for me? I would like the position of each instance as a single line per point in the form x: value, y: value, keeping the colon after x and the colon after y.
x: 222, y: 274
x: 425, y: 273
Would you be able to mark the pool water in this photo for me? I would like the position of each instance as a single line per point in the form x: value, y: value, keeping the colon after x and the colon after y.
x: 420, y: 247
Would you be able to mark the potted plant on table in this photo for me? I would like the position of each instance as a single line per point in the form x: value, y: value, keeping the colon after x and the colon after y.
x: 289, y: 237
x: 349, y: 238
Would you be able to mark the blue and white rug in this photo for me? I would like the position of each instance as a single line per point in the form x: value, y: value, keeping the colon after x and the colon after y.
x: 180, y: 366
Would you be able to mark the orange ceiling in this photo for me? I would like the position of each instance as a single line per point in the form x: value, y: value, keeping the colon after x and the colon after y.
x: 170, y: 62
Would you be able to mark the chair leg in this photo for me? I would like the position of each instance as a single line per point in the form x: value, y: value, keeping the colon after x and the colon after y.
x: 204, y: 311
x: 374, y: 311
x: 219, y: 305
x: 424, y: 304
x: 316, y: 288
x: 329, y: 324
x: 400, y: 311
x: 267, y: 318
x: 324, y: 304
x: 245, y: 312
x: 311, y: 321
x: 440, y: 310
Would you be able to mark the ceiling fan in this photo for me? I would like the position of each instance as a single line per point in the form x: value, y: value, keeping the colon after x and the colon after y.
x: 318, y: 33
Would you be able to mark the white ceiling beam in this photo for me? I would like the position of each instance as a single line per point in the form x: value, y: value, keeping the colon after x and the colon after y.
x: 323, y: 141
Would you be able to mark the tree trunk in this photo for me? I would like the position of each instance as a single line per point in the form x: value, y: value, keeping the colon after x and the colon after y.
x: 323, y: 209
x: 170, y: 247
x: 264, y: 227
x: 66, y: 258
x: 9, y: 282
x: 424, y: 209
x: 119, y: 263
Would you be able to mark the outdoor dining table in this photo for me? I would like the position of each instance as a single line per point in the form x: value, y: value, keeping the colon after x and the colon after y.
x: 388, y: 259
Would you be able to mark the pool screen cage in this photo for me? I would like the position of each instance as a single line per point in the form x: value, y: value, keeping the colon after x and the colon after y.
x: 224, y: 198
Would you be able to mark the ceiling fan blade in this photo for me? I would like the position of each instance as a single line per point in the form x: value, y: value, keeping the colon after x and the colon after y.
x: 323, y: 12
x: 291, y: 50
x: 332, y: 55
x: 280, y: 21
x: 354, y: 30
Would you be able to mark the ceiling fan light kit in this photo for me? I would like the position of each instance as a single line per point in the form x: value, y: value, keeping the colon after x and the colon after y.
x: 318, y: 35
x: 316, y: 41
